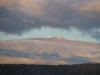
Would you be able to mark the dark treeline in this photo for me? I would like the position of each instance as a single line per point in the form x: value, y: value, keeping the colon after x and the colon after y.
x: 22, y: 69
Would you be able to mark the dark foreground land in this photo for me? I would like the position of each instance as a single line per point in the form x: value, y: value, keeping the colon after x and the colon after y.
x: 22, y: 69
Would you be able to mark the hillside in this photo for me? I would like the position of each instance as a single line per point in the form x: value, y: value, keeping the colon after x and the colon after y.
x: 79, y: 69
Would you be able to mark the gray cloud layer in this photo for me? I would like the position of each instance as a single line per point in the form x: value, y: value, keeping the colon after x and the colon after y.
x: 24, y: 15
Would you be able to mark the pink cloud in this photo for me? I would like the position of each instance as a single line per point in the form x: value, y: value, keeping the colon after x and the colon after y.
x: 42, y: 47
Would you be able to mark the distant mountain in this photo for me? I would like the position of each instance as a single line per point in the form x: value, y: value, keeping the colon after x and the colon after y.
x: 50, y: 50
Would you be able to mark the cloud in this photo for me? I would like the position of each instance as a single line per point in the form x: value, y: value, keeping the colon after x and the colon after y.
x: 79, y: 59
x: 39, y: 58
x: 14, y: 53
x: 7, y: 3
x: 12, y: 22
x: 33, y: 7
x: 18, y: 16
x: 14, y: 60
x: 42, y: 51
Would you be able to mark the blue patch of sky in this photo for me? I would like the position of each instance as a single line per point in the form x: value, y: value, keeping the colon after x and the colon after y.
x: 72, y: 34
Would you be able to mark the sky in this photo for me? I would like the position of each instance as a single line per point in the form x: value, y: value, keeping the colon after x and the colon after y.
x: 72, y: 19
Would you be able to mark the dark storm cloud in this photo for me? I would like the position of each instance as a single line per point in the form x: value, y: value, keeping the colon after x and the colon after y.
x: 16, y: 22
x: 57, y: 14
